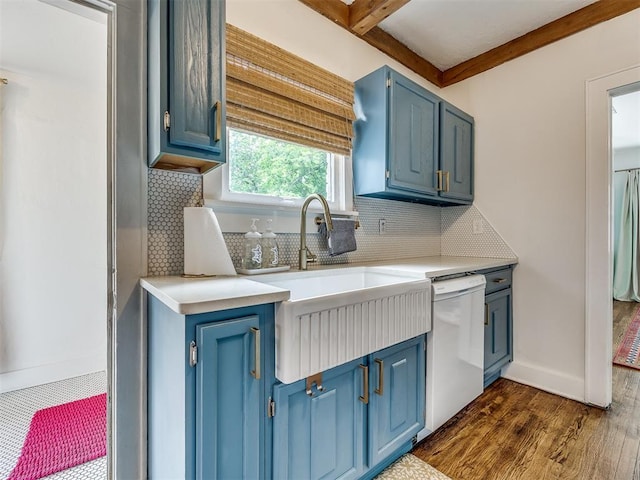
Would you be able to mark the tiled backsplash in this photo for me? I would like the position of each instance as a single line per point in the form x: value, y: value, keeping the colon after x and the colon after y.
x: 412, y: 230
x: 458, y: 238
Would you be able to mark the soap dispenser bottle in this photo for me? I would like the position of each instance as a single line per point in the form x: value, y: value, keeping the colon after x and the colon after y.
x: 270, y: 250
x: 252, y: 257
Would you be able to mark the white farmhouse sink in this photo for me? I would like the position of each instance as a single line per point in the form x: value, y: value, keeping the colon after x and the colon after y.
x: 337, y: 315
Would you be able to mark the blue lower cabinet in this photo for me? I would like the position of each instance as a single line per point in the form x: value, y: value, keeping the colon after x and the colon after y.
x: 228, y: 393
x: 396, y: 406
x: 319, y: 434
x: 498, y: 334
x: 209, y: 378
x: 362, y: 419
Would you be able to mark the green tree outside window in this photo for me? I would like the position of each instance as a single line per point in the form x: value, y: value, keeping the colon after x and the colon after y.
x: 266, y: 166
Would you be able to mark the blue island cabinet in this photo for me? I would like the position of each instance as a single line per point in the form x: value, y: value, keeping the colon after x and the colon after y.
x: 209, y: 379
x: 186, y: 84
x: 354, y: 420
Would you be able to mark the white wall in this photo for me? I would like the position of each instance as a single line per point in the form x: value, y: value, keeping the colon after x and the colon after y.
x: 53, y: 234
x: 530, y: 163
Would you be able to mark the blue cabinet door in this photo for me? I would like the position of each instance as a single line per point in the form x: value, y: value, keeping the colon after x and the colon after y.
x: 413, y: 137
x: 396, y: 405
x: 195, y: 86
x: 229, y: 432
x: 497, y: 334
x: 321, y: 436
x: 186, y: 88
x: 456, y: 153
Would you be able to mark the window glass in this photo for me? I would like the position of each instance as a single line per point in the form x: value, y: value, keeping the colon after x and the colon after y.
x: 266, y: 166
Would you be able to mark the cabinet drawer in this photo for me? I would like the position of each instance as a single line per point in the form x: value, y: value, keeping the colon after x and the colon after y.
x: 497, y: 280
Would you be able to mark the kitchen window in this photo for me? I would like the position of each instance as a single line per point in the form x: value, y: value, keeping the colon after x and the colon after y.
x: 269, y: 171
x: 290, y: 128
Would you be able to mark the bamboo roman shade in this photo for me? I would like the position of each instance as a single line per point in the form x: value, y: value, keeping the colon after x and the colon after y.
x: 275, y: 93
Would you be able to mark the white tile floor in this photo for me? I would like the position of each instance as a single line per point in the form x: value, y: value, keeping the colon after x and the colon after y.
x: 17, y: 409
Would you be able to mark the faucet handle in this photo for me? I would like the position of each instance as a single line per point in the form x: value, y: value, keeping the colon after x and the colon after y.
x: 310, y: 256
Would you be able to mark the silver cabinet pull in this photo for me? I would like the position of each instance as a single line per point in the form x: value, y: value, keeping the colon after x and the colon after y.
x: 256, y: 337
x: 486, y: 314
x: 447, y: 175
x: 365, y: 384
x: 439, y: 184
x: 380, y: 389
x: 499, y: 280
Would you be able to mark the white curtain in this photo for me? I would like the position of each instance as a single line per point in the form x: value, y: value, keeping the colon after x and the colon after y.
x: 626, y: 268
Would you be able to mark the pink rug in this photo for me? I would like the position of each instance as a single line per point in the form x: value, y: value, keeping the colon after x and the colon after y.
x: 62, y: 437
x: 628, y: 353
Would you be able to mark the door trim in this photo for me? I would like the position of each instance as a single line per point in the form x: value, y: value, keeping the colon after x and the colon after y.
x: 599, y: 270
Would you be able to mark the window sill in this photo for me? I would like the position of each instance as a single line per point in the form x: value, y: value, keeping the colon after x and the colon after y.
x: 235, y: 217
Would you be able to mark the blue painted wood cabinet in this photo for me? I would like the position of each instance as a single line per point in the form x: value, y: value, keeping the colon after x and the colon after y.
x: 320, y: 433
x: 216, y: 410
x: 410, y: 145
x: 186, y: 75
x: 209, y: 379
x: 355, y: 420
x: 498, y: 323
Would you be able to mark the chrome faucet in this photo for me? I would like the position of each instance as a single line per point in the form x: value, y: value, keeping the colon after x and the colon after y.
x: 305, y: 255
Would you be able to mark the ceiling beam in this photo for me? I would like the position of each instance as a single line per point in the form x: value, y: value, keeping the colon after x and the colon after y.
x: 376, y: 37
x: 334, y: 10
x: 593, y: 14
x: 586, y: 17
x: 338, y: 12
x: 366, y: 14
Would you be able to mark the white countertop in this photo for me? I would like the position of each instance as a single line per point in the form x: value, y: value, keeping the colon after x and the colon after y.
x: 440, y: 266
x: 199, y: 295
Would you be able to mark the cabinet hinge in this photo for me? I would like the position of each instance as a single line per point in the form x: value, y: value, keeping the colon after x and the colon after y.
x: 271, y: 408
x: 387, y: 174
x: 167, y: 121
x: 388, y: 83
x: 193, y: 354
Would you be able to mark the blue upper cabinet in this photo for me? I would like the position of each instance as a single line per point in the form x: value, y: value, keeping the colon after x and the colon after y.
x: 409, y: 144
x: 413, y: 137
x: 186, y: 107
x: 456, y: 153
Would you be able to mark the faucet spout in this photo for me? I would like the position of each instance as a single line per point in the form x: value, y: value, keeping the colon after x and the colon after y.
x: 305, y: 256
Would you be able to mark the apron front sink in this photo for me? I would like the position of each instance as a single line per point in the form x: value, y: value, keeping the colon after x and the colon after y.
x: 337, y: 315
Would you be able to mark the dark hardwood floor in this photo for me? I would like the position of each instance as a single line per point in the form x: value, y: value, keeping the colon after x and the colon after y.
x: 513, y: 431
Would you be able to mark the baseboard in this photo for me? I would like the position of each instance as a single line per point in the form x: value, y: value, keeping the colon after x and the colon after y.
x: 550, y: 381
x: 30, y: 377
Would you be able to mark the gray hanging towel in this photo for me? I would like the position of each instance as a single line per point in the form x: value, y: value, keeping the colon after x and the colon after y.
x: 342, y: 238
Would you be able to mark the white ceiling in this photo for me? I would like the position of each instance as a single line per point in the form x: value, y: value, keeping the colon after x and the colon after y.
x: 625, y: 120
x: 448, y: 32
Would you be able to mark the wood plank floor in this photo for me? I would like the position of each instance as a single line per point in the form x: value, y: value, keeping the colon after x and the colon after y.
x: 513, y: 431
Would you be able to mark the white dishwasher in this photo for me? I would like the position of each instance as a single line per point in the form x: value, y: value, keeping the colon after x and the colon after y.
x: 455, y: 349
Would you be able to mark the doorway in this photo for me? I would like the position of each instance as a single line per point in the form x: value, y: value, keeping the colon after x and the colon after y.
x: 599, y: 271
x: 56, y: 220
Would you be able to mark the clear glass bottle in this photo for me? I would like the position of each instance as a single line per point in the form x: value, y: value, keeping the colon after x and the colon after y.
x: 252, y: 257
x: 270, y: 249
